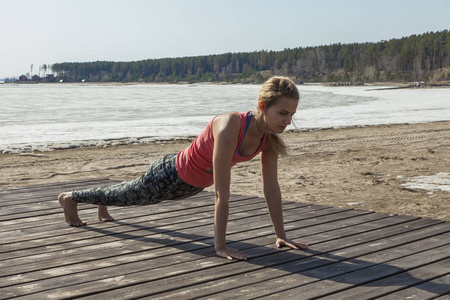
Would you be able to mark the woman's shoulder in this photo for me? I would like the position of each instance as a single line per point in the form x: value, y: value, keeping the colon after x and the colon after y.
x: 229, y: 116
x: 228, y: 122
x: 228, y: 119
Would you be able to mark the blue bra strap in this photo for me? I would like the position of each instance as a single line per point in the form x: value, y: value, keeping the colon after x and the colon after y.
x: 247, y: 123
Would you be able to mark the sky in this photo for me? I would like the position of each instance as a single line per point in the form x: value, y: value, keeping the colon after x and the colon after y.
x: 56, y: 31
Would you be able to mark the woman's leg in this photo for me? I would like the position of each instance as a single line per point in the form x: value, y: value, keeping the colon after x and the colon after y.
x: 103, y: 214
x: 71, y: 212
x: 70, y: 209
x: 160, y: 182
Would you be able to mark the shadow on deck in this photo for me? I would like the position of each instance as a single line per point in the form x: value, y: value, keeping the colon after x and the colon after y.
x: 166, y: 251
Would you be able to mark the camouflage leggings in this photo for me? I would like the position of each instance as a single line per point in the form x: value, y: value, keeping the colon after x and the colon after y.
x: 160, y: 182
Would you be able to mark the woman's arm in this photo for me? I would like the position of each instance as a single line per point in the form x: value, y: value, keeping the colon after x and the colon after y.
x: 272, y: 193
x: 226, y: 130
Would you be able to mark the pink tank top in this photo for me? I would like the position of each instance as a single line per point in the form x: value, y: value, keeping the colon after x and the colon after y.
x: 194, y: 164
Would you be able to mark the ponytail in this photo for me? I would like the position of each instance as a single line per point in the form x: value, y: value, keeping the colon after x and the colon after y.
x: 279, y: 144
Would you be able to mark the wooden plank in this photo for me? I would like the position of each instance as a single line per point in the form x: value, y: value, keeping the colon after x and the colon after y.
x: 411, y: 274
x: 90, y: 211
x: 124, y: 214
x: 28, y: 192
x: 163, y: 218
x: 160, y: 261
x: 83, y: 246
x: 205, y: 196
x: 360, y: 281
x: 167, y: 278
x: 201, y: 276
x: 167, y: 251
x: 306, y: 270
x: 47, y: 186
x: 109, y: 244
x: 430, y: 289
x: 47, y: 208
x: 349, y: 280
x: 176, y: 215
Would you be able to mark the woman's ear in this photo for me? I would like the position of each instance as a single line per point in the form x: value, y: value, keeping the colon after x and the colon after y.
x: 262, y: 106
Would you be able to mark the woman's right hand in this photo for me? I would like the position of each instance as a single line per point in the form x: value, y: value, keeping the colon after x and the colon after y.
x: 230, y: 254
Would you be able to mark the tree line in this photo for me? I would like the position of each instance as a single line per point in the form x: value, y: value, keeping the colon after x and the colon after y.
x: 424, y: 57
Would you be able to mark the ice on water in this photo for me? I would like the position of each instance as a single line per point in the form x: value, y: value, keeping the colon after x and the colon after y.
x: 43, y: 114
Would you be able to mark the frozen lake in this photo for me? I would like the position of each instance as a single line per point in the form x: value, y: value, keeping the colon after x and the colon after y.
x: 42, y: 114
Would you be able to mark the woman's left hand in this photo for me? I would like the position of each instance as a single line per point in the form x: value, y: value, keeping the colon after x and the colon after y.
x: 284, y: 242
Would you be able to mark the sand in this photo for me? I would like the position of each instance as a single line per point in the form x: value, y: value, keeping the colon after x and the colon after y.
x: 371, y: 168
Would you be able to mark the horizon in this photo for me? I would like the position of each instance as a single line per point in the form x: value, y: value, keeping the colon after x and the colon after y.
x: 51, y: 32
x: 34, y: 73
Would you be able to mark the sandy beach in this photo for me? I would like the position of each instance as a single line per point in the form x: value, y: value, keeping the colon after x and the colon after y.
x: 362, y: 168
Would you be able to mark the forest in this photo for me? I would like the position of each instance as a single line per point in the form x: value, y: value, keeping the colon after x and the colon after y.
x: 424, y: 57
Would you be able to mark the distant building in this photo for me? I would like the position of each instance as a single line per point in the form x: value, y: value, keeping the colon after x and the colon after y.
x: 50, y: 78
x: 36, y: 78
x: 23, y: 78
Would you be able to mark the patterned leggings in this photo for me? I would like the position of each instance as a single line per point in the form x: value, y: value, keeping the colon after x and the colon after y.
x: 160, y: 182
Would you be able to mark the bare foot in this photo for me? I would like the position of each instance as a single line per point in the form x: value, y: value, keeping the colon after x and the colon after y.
x: 70, y: 210
x: 103, y: 214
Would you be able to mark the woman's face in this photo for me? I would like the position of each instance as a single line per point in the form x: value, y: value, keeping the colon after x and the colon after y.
x: 279, y: 115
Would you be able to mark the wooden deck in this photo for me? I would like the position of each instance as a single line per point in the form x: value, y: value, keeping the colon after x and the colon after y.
x: 166, y: 251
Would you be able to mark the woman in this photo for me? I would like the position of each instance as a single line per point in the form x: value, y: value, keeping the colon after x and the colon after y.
x: 227, y: 139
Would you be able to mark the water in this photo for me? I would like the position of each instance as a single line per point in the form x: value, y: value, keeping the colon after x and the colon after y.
x: 40, y: 115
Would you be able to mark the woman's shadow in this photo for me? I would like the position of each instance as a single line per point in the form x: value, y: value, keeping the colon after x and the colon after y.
x: 314, y: 264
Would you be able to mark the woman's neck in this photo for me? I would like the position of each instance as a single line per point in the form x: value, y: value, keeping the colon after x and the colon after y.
x: 260, y: 125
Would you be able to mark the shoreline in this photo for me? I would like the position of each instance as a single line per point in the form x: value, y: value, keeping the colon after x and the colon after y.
x: 381, y: 168
x: 430, y: 84
x: 110, y: 142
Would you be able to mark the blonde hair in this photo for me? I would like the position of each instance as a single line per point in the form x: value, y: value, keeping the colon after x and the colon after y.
x: 272, y: 90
